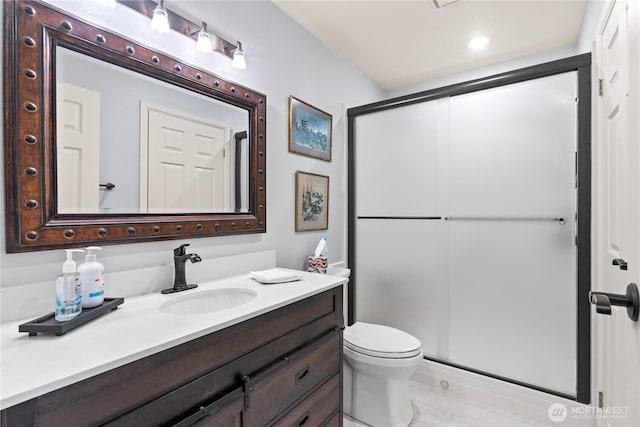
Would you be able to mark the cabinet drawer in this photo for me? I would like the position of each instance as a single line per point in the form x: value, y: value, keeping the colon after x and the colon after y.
x: 317, y: 409
x: 334, y: 421
x: 289, y: 380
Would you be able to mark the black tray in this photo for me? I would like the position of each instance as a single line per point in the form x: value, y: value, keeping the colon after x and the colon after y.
x: 49, y: 325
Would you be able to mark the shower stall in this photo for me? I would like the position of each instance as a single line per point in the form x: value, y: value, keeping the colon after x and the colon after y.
x: 469, y: 212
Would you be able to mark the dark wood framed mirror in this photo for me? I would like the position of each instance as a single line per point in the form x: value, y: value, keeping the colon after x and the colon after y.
x: 42, y: 44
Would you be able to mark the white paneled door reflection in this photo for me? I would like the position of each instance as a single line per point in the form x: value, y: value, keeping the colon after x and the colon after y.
x: 187, y: 163
x: 491, y: 285
x: 78, y: 149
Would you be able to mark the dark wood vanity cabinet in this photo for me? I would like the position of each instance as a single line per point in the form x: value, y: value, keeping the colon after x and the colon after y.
x: 282, y: 368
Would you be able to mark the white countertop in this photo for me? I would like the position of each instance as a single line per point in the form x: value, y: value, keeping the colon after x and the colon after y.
x: 32, y: 366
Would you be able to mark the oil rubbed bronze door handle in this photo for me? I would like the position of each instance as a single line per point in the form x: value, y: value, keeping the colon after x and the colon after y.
x: 620, y: 263
x: 302, y: 420
x: 300, y: 375
x: 603, y: 301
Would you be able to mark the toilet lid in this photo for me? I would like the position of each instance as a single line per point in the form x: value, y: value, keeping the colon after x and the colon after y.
x: 381, y: 341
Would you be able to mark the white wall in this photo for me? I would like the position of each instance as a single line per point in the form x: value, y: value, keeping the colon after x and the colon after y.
x: 282, y: 60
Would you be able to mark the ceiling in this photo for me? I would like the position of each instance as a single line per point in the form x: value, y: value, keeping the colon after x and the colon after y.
x: 399, y: 43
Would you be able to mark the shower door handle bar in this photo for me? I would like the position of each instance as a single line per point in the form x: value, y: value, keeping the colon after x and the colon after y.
x: 400, y: 217
x: 559, y: 220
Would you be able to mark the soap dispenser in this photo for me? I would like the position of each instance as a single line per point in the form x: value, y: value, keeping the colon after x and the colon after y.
x: 92, y: 277
x: 68, y: 290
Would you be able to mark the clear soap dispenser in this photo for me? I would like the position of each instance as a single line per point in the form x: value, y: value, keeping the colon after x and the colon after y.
x: 92, y: 277
x: 68, y: 290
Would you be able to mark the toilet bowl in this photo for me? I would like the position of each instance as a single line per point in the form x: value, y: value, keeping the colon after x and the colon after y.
x: 378, y: 361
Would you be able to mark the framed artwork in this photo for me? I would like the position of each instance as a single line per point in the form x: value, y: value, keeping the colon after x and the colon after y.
x: 312, y: 201
x: 309, y: 130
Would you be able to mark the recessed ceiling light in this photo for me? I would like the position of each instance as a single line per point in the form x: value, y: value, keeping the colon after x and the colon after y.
x: 479, y: 43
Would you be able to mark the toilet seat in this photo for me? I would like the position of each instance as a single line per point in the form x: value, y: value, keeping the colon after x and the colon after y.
x: 381, y: 341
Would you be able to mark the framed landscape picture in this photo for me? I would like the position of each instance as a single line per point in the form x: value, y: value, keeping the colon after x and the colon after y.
x: 309, y: 130
x: 312, y: 201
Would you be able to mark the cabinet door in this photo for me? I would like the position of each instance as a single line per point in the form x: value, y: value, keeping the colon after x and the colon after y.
x: 272, y: 391
x: 224, y: 412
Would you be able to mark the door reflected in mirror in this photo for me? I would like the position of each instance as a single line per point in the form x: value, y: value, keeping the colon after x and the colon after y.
x: 128, y: 143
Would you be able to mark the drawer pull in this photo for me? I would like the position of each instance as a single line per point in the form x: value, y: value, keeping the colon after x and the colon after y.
x: 303, y: 420
x: 300, y: 375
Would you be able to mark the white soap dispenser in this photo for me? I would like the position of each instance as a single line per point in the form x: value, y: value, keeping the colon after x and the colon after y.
x: 92, y: 276
x: 68, y: 290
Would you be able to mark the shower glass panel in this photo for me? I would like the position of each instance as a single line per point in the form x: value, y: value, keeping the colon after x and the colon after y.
x: 465, y: 211
x: 513, y: 259
x: 404, y: 282
x: 401, y: 156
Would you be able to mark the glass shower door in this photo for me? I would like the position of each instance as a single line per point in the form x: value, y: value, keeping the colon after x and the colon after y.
x: 401, y: 240
x: 512, y: 281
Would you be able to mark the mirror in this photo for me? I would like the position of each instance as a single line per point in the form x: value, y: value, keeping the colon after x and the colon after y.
x: 129, y: 143
x: 64, y: 77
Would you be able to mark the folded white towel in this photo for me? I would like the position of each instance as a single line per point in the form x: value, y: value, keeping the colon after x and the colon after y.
x: 274, y: 275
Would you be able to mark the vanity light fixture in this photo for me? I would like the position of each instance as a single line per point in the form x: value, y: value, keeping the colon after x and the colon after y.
x: 479, y: 43
x: 238, y: 58
x: 160, y: 19
x: 203, y: 41
x: 164, y: 20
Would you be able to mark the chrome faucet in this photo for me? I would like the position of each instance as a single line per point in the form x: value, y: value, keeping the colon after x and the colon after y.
x: 180, y: 258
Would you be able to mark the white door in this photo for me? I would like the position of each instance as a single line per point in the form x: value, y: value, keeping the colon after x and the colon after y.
x: 618, y: 233
x: 78, y: 149
x: 186, y: 161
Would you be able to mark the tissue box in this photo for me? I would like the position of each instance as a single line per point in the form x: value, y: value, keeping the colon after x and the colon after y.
x: 317, y: 264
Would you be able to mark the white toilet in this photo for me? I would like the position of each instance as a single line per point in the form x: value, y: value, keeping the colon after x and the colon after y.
x: 378, y: 361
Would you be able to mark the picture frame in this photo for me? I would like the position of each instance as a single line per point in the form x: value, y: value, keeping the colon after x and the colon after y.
x: 310, y: 130
x: 312, y: 201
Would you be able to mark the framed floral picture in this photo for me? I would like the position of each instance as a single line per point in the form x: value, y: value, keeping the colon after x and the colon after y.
x: 309, y: 130
x: 312, y: 201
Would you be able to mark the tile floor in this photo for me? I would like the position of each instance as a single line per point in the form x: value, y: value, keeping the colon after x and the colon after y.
x: 435, y: 409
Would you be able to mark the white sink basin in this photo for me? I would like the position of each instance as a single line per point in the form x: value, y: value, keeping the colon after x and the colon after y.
x: 208, y: 301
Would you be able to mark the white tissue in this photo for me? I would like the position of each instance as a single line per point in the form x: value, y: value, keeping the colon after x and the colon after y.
x: 321, y: 249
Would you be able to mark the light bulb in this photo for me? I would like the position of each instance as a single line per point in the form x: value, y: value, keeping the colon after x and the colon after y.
x: 238, y: 58
x: 203, y: 42
x: 160, y: 20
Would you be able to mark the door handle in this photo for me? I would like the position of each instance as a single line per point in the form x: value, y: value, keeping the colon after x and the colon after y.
x: 302, y: 374
x: 303, y: 419
x: 603, y: 301
x: 620, y: 263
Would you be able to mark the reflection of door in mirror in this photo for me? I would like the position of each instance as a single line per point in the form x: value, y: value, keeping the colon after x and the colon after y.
x: 78, y: 149
x: 186, y: 160
x: 123, y: 161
